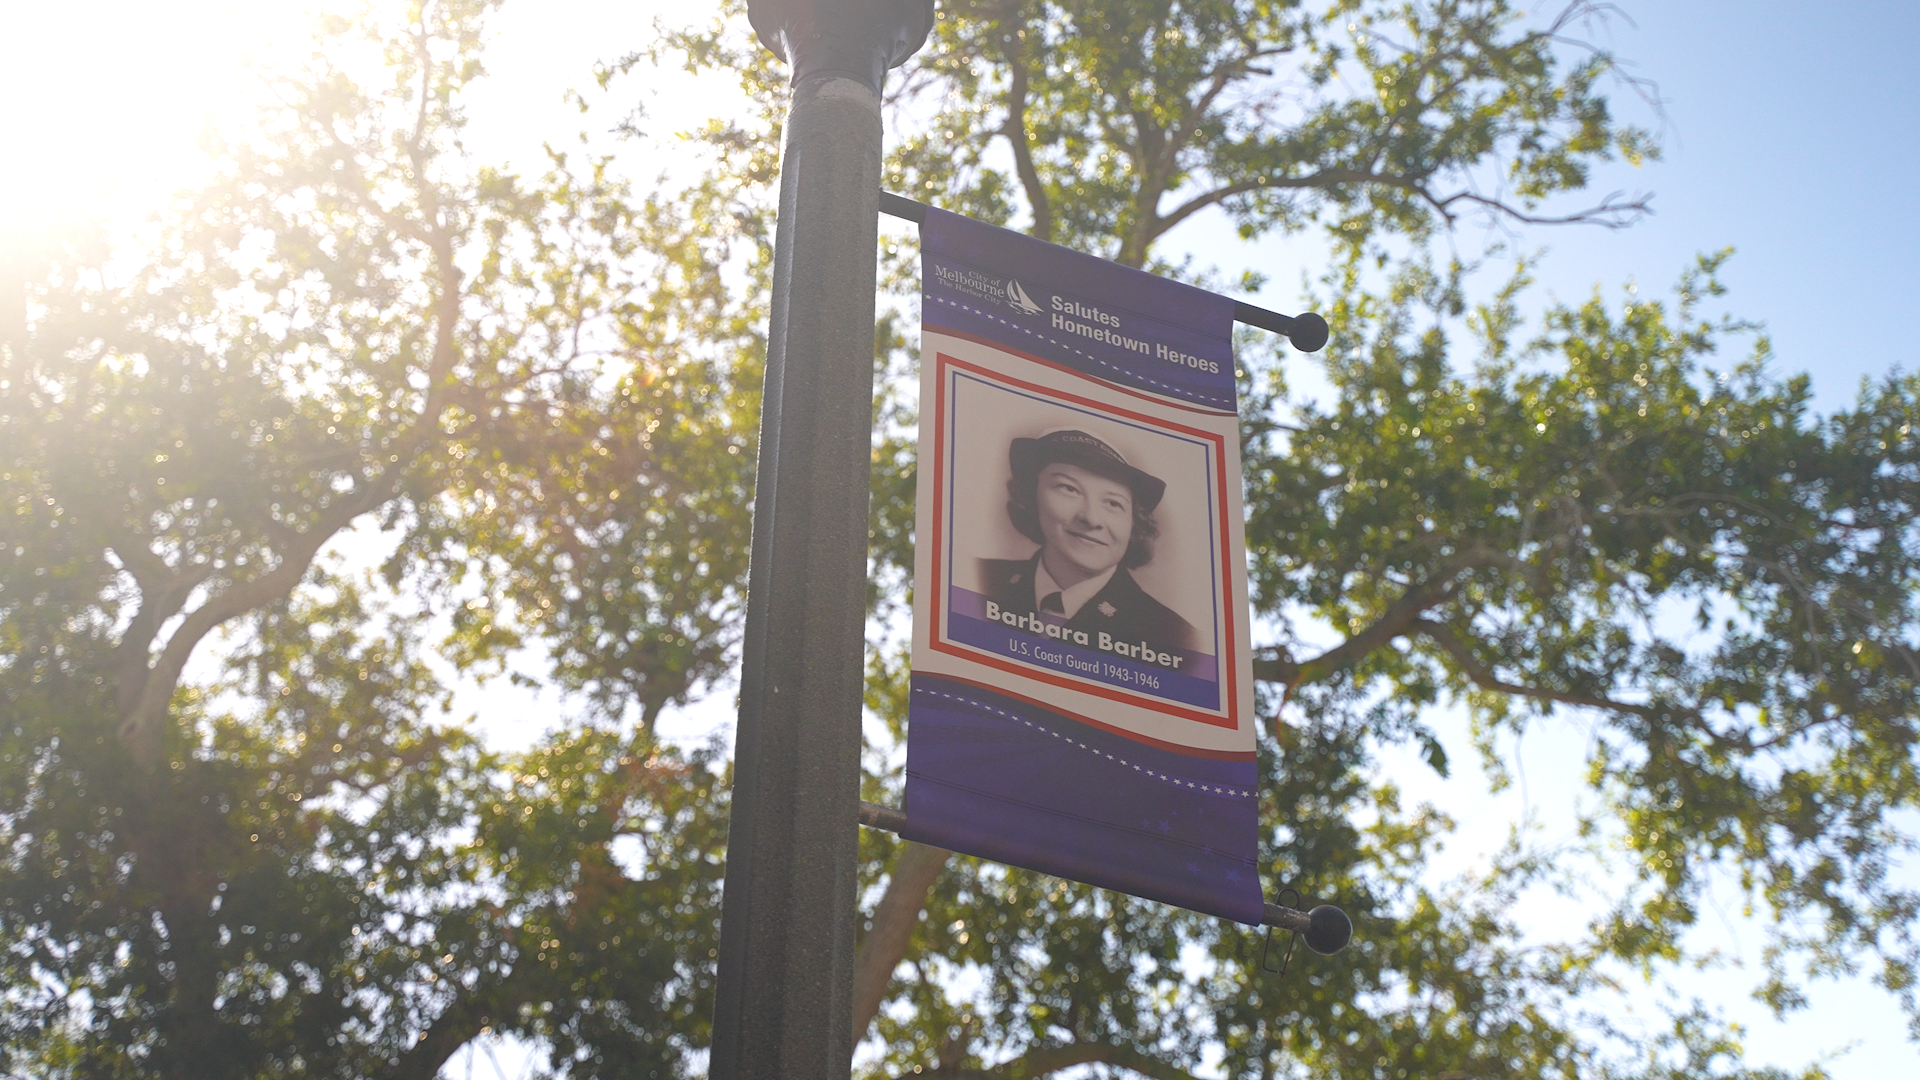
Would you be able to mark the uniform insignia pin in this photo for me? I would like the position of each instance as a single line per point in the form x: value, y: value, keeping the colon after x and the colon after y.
x: 1107, y: 609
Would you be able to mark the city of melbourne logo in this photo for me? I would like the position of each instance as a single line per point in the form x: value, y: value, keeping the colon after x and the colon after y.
x: 1018, y: 299
x: 987, y: 288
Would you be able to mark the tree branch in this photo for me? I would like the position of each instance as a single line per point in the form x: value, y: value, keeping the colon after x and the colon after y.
x: 163, y: 592
x: 1321, y: 179
x: 1393, y: 622
x: 915, y: 870
x: 1015, y: 128
x: 1608, y: 215
x: 1180, y: 133
x: 141, y: 726
x: 466, y: 1018
x: 1483, y: 675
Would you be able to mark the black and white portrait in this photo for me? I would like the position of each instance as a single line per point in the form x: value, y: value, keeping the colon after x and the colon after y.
x: 1091, y: 513
x: 1086, y: 521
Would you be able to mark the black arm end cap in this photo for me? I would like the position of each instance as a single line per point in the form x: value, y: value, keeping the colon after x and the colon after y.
x: 1309, y: 333
x: 1328, y: 928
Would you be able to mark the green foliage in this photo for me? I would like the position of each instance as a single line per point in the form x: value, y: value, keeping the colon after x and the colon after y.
x: 534, y: 399
x: 1588, y: 522
x: 366, y: 418
x: 1125, y: 119
x: 1724, y: 581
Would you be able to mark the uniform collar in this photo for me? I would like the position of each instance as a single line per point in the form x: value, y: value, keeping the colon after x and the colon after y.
x: 1071, y: 600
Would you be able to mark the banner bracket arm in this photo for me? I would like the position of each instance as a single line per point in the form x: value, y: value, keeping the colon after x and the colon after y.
x: 904, y: 208
x: 1307, y: 331
x: 885, y: 818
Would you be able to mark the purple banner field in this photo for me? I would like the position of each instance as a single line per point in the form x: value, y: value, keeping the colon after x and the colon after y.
x: 1004, y: 779
x: 1081, y: 702
x: 1111, y: 321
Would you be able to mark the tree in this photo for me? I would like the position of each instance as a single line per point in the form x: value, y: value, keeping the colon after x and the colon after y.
x: 1124, y: 120
x: 1509, y: 539
x: 273, y: 857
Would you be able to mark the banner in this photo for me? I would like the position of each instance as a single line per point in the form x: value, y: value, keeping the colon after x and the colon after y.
x: 1082, y: 695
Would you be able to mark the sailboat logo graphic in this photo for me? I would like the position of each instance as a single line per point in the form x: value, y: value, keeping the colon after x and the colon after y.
x: 1018, y: 299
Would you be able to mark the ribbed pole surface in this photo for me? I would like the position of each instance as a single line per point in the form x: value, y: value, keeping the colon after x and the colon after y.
x: 785, y: 979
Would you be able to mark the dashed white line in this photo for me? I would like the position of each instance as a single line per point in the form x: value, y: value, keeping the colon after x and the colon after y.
x: 1002, y: 713
x: 1182, y: 391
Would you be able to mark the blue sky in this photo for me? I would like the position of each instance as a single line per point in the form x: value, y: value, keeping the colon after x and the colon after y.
x: 1792, y: 135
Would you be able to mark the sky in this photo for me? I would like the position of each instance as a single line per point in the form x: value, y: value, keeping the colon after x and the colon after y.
x: 1790, y: 136
x: 1789, y: 133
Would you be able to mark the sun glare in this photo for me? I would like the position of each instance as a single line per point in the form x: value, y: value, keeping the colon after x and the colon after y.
x: 105, y: 102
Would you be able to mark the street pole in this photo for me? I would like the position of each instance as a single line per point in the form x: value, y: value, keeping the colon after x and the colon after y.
x: 784, y: 987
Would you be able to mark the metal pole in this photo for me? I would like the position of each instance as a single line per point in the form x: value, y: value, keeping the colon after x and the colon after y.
x: 784, y: 988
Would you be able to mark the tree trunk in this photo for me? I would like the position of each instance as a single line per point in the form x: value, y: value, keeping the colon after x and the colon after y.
x: 914, y: 873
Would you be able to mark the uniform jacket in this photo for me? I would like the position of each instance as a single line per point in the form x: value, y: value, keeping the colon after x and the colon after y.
x: 1122, y: 609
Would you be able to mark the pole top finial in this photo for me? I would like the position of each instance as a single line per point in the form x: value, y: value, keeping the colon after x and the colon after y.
x: 858, y: 39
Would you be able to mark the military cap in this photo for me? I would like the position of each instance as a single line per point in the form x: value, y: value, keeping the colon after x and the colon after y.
x: 1072, y: 447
